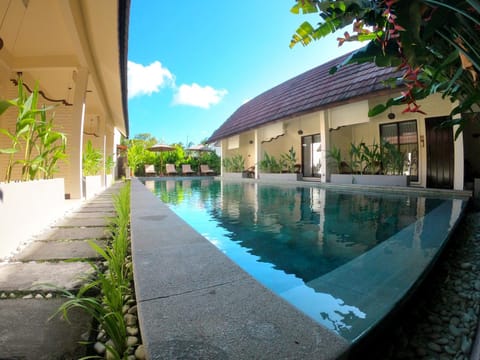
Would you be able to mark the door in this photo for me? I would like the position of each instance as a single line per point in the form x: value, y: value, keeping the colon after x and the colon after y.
x: 440, y: 155
x: 311, y: 156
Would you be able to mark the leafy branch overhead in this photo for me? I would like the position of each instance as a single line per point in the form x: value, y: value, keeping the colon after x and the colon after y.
x: 434, y: 42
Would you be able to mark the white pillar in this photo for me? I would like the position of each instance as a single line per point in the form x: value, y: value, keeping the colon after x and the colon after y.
x: 222, y: 156
x: 75, y: 142
x: 325, y: 145
x: 458, y: 156
x: 257, y: 154
x: 103, y: 134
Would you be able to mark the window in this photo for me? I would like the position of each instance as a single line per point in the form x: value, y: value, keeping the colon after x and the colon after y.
x: 404, y: 135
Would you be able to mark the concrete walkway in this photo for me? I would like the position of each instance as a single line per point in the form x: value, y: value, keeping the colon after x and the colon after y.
x: 31, y: 284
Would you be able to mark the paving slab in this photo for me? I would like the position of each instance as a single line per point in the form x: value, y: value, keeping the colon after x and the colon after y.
x: 79, y: 233
x: 100, y: 208
x: 41, y: 276
x: 102, y: 205
x: 239, y: 320
x: 99, y: 203
x: 99, y: 220
x: 91, y: 214
x: 27, y: 333
x: 58, y: 250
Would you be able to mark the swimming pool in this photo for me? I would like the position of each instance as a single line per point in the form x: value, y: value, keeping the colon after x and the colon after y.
x: 343, y: 258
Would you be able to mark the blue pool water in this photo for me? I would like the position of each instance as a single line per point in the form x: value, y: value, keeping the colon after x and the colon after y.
x: 326, y: 252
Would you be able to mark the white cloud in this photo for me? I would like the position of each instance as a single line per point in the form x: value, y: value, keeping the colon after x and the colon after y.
x: 196, y: 95
x: 145, y: 80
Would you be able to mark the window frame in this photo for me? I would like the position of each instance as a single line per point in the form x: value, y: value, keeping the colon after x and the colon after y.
x: 399, y: 143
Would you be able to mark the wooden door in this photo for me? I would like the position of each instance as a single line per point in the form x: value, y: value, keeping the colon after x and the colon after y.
x: 440, y: 154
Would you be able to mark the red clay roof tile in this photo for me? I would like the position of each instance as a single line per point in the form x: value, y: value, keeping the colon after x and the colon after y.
x: 313, y: 90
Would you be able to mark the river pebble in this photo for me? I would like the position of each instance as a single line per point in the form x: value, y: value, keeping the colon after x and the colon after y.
x: 443, y: 321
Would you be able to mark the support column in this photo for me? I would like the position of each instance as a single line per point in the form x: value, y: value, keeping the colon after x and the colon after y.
x: 75, y: 142
x: 458, y: 155
x: 257, y: 154
x: 458, y: 171
x: 325, y: 145
x: 103, y: 135
x: 222, y: 156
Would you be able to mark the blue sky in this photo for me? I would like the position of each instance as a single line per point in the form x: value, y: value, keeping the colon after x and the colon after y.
x: 193, y: 63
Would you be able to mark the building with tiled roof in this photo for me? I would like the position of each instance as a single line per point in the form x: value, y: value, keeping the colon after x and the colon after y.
x: 316, y: 112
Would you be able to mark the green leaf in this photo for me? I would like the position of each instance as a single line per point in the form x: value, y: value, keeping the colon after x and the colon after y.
x: 4, y: 105
x: 8, y: 151
x: 377, y: 110
x: 295, y: 9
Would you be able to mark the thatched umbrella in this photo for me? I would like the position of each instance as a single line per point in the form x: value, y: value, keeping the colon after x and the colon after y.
x: 161, y: 148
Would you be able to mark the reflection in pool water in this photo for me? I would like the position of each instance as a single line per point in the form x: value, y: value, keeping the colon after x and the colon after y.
x: 296, y: 239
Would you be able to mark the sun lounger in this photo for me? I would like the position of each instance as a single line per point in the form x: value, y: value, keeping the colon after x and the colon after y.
x: 150, y: 170
x: 205, y: 170
x: 249, y: 173
x: 170, y: 169
x: 187, y: 169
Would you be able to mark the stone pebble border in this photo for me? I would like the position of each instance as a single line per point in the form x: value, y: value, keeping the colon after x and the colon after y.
x: 442, y: 323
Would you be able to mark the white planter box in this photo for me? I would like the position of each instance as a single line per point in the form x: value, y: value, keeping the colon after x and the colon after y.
x: 341, y: 179
x: 376, y: 180
x: 108, y: 180
x: 27, y: 208
x: 232, y: 175
x: 382, y: 180
x: 92, y: 185
x: 280, y: 177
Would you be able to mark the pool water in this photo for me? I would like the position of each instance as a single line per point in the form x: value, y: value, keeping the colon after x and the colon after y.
x: 296, y: 239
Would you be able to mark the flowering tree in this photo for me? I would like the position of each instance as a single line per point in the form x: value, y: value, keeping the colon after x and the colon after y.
x: 436, y: 43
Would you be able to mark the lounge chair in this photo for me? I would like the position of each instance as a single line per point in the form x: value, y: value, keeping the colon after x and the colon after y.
x: 187, y: 169
x: 170, y: 169
x: 150, y: 170
x: 205, y: 170
x: 249, y: 173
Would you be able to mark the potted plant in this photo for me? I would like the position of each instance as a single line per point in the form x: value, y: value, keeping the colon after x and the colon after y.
x: 283, y: 169
x: 33, y: 156
x: 233, y: 166
x: 270, y: 165
x: 109, y: 165
x: 91, y: 166
x: 341, y: 173
x: 380, y: 165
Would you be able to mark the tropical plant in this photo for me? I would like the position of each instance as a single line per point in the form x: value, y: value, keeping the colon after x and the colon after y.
x: 289, y: 160
x: 372, y: 157
x: 434, y: 42
x: 236, y: 163
x: 356, y: 161
x: 334, y: 156
x: 393, y: 160
x: 91, y: 160
x: 384, y: 158
x: 109, y: 164
x: 270, y: 164
x: 35, y: 136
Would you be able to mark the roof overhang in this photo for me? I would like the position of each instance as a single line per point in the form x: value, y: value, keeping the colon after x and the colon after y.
x: 49, y: 40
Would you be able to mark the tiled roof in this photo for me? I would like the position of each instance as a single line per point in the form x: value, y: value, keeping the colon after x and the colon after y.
x: 313, y: 90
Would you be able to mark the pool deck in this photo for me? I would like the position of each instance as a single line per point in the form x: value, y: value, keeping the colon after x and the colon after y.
x: 193, y: 300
